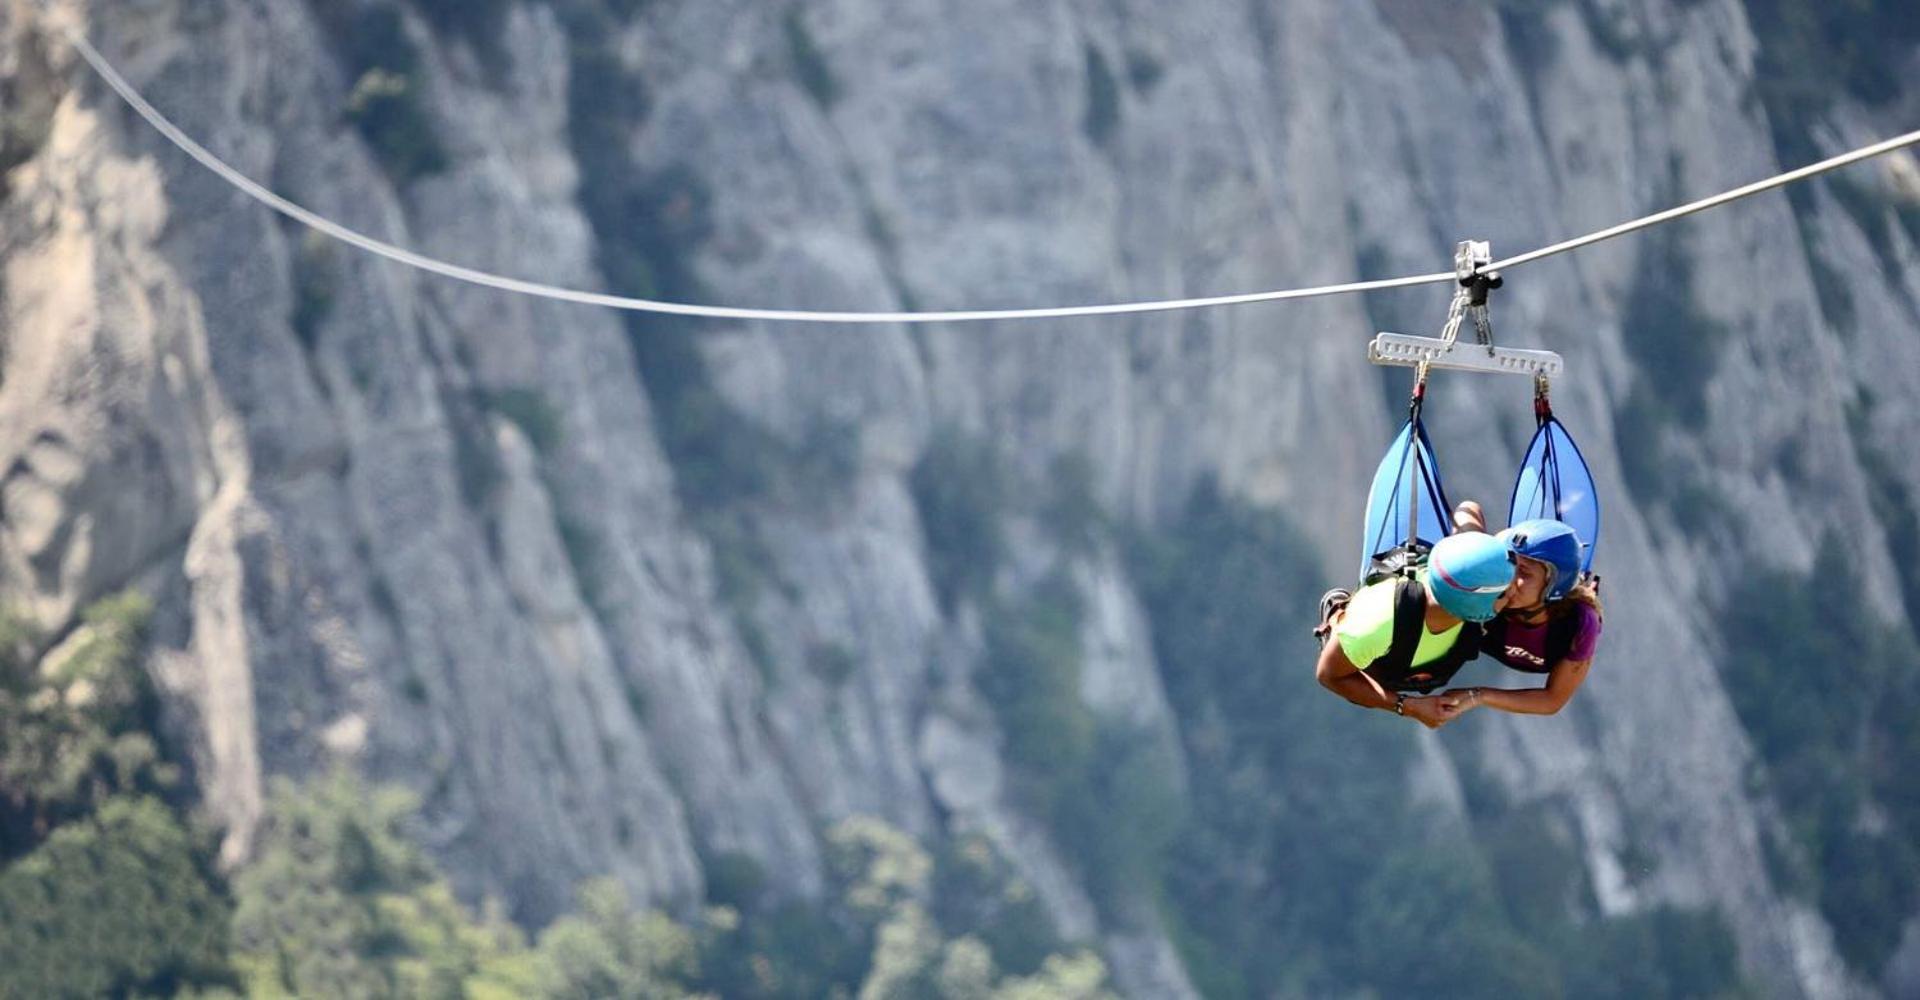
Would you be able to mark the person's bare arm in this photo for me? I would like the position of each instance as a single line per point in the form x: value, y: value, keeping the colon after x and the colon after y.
x: 1336, y: 673
x: 1562, y: 682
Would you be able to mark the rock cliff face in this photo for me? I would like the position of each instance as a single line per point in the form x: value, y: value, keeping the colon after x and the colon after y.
x: 466, y: 541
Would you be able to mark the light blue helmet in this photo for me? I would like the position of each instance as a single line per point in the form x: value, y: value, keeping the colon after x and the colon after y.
x: 1554, y: 543
x: 1469, y: 571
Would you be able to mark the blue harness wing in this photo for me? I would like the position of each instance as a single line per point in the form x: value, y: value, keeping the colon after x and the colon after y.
x: 1407, y: 469
x: 1554, y: 482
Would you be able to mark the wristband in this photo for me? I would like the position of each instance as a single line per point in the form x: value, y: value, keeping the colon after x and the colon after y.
x: 1400, y: 703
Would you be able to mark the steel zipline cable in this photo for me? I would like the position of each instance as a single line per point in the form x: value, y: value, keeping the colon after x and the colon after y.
x: 409, y: 258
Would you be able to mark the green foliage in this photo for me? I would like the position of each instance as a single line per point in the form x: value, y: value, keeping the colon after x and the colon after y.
x: 19, y: 641
x: 1663, y: 954
x: 338, y: 902
x: 809, y: 65
x: 27, y: 103
x: 106, y: 891
x: 816, y: 471
x: 898, y: 921
x: 787, y: 949
x: 386, y: 110
x: 315, y: 280
x: 1104, y: 789
x: 76, y: 727
x: 888, y: 881
x: 382, y: 103
x: 879, y: 867
x: 119, y: 902
x: 1119, y: 816
x: 742, y: 567
x: 977, y: 892
x: 649, y: 226
x: 720, y: 458
x: 476, y: 462
x: 960, y: 486
x: 1676, y: 350
x: 1810, y: 55
x: 610, y: 950
x: 1896, y: 506
x: 734, y: 879
x: 1080, y: 976
x: 1072, y: 513
x: 1824, y: 689
x: 1102, y: 119
x: 1674, y: 346
x: 1535, y: 863
x: 1031, y: 677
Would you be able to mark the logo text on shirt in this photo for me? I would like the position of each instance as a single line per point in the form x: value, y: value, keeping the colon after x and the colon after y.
x: 1523, y: 653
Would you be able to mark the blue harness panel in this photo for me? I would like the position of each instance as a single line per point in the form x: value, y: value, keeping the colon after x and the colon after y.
x: 1409, y: 461
x: 1554, y: 482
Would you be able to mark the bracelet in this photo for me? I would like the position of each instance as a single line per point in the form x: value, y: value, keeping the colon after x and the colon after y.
x: 1399, y: 703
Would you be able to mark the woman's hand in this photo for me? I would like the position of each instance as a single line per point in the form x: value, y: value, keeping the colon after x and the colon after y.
x: 1457, y: 700
x: 1428, y: 711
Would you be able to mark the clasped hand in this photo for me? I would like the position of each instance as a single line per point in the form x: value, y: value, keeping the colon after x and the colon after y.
x: 1434, y: 711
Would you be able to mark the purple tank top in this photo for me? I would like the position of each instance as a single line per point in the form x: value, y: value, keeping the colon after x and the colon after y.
x: 1524, y: 647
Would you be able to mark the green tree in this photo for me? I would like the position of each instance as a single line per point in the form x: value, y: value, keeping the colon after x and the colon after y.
x: 608, y: 949
x: 76, y: 725
x: 1835, y: 752
x: 888, y: 881
x: 960, y: 486
x: 338, y: 903
x: 118, y: 902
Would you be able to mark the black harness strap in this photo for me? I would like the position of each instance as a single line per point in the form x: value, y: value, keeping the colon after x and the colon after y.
x: 1394, y: 669
x: 1409, y: 620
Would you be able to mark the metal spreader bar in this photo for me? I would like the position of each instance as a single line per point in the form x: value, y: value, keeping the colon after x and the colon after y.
x: 1403, y: 349
x: 1471, y: 260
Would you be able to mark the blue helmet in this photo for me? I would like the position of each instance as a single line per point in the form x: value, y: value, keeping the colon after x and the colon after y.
x: 1554, y: 543
x: 1469, y: 571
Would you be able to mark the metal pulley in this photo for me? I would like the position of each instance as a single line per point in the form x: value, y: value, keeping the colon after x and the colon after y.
x: 1470, y: 260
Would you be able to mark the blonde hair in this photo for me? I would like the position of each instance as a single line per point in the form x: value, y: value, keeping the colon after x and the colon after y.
x: 1586, y: 592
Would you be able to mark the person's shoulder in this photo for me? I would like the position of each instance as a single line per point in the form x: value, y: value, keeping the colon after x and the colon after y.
x: 1374, y: 598
x: 1586, y: 617
x: 1586, y: 631
x: 1382, y: 586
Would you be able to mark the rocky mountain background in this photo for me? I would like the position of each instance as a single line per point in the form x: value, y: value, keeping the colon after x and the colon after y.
x: 661, y: 606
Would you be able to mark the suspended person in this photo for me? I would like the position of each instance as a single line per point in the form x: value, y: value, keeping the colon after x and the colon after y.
x: 1398, y: 639
x: 1549, y: 624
